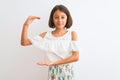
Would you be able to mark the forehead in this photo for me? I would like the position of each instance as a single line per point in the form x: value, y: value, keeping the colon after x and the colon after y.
x: 58, y: 12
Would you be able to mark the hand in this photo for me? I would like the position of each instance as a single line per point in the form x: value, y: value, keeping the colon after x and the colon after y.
x: 30, y: 19
x: 46, y: 63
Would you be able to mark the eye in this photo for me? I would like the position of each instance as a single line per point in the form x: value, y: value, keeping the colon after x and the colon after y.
x: 56, y: 17
x: 63, y: 17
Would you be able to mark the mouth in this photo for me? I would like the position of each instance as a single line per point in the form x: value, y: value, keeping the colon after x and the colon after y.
x: 60, y: 24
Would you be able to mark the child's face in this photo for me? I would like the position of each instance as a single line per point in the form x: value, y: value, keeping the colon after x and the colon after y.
x: 59, y: 19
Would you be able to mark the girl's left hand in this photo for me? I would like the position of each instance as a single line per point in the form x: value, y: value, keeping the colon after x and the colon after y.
x: 46, y: 63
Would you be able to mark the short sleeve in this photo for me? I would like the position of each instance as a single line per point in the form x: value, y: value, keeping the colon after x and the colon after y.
x: 74, y: 46
x: 38, y: 42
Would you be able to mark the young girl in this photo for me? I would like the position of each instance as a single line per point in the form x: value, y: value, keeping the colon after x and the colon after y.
x: 60, y: 45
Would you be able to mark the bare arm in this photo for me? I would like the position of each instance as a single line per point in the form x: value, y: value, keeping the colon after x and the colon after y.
x: 24, y: 36
x: 73, y: 58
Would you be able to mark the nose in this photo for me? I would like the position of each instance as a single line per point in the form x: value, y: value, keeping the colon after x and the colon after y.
x: 59, y: 19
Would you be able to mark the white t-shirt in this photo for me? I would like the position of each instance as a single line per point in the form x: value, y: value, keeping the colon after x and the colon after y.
x: 55, y: 48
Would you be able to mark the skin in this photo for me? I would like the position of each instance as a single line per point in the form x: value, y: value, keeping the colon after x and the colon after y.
x: 59, y: 19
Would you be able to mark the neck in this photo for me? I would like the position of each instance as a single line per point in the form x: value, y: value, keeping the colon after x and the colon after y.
x: 60, y: 30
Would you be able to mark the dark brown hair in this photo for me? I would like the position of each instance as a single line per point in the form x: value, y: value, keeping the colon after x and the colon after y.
x: 63, y: 9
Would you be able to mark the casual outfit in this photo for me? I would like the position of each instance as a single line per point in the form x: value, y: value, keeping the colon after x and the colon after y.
x: 57, y: 48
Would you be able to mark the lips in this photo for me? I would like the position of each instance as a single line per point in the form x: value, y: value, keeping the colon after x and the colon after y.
x: 59, y: 23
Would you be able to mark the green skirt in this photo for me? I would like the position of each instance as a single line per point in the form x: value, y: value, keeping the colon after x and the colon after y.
x: 61, y: 72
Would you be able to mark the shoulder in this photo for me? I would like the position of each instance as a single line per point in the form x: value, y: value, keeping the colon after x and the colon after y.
x: 73, y: 35
x: 42, y: 34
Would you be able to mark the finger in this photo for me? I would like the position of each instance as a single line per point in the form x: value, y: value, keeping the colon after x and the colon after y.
x: 41, y: 63
x: 36, y: 17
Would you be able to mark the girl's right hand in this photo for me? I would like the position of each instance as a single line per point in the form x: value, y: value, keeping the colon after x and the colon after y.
x: 30, y: 19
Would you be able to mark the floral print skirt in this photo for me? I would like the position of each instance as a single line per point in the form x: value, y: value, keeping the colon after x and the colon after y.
x: 61, y: 72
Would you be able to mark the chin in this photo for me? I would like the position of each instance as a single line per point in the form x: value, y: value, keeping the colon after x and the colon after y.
x: 60, y: 26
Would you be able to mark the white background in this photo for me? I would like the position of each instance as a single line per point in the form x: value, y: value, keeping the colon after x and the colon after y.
x: 96, y: 21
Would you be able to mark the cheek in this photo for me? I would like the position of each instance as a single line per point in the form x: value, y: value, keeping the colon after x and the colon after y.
x: 65, y: 21
x: 54, y: 21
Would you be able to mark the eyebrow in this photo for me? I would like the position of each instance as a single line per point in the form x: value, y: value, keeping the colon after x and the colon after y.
x: 58, y: 15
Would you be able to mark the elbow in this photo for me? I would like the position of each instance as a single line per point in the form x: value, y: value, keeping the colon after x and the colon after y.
x: 76, y: 57
x: 24, y: 44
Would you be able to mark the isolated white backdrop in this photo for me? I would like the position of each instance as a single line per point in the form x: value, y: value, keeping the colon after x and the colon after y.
x: 96, y: 21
